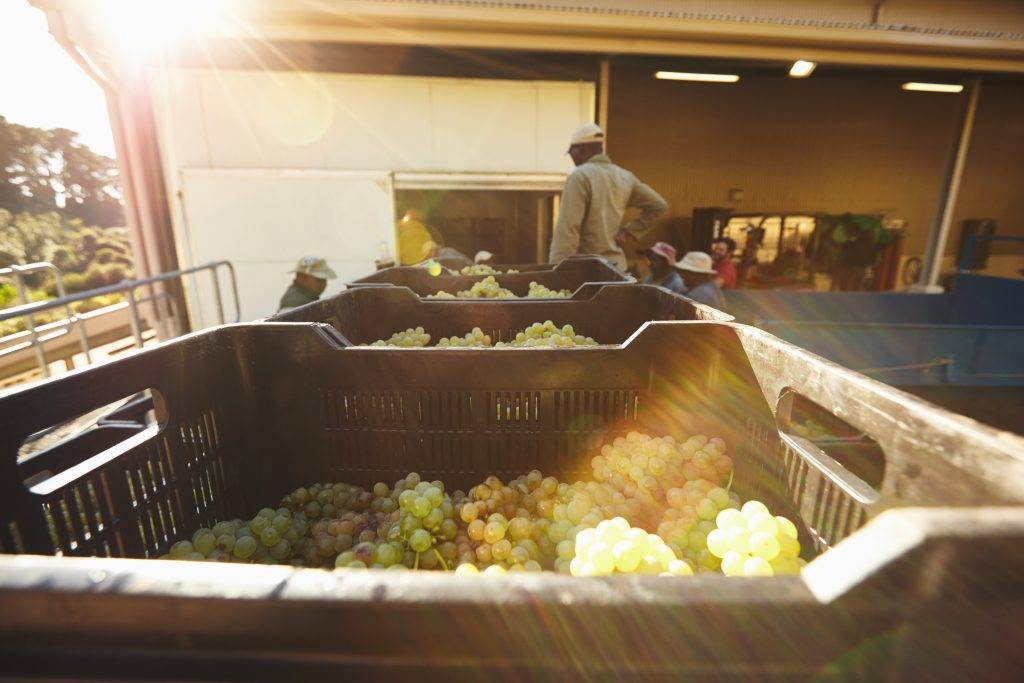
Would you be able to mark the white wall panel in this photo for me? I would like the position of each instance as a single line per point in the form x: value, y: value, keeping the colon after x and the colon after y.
x: 379, y: 123
x: 266, y: 119
x: 260, y: 119
x: 264, y: 221
x: 484, y: 126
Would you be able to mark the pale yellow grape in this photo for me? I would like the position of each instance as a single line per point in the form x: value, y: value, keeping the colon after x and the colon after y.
x: 600, y: 555
x: 627, y: 557
x: 763, y: 523
x: 650, y: 565
x: 763, y: 545
x: 786, y: 527
x: 752, y: 508
x: 788, y: 546
x: 584, y: 539
x: 494, y: 569
x: 739, y: 539
x: 679, y: 568
x: 757, y: 566
x: 732, y: 563
x: 718, y: 542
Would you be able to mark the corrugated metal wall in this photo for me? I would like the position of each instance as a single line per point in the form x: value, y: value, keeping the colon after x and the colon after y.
x: 855, y: 143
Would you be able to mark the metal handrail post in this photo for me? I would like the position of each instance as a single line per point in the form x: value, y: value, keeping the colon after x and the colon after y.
x: 234, y: 288
x: 216, y: 296
x: 133, y: 305
x: 30, y: 320
x: 73, y: 319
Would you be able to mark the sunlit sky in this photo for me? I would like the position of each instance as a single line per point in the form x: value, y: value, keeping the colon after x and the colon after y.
x: 41, y: 86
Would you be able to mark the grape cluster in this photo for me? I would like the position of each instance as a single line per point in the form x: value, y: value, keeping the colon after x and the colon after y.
x: 474, y: 338
x: 488, y: 288
x: 483, y: 269
x: 644, y: 468
x: 531, y: 523
x: 270, y: 537
x: 613, y: 547
x: 504, y: 525
x: 408, y: 338
x: 689, y: 518
x: 547, y: 334
x: 539, y: 291
x: 752, y: 542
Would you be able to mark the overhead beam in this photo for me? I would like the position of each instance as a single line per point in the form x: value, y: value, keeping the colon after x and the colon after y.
x: 553, y: 30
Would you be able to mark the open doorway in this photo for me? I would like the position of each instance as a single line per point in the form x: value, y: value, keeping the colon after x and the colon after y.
x: 514, y: 225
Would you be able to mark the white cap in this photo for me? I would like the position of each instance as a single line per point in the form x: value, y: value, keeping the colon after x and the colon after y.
x: 696, y: 262
x: 317, y: 267
x: 482, y: 256
x: 588, y: 132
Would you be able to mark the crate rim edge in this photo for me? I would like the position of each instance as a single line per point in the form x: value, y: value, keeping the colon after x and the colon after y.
x: 834, y: 577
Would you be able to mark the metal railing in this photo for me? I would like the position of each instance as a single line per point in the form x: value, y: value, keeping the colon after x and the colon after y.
x: 28, y: 310
x: 18, y: 272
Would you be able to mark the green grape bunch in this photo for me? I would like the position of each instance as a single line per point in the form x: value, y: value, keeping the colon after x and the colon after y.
x: 475, y: 338
x: 483, y: 269
x: 548, y: 334
x: 408, y: 338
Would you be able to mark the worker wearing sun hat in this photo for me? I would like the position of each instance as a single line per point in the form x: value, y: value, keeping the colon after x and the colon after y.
x: 661, y: 257
x: 311, y: 276
x: 594, y: 203
x: 697, y: 269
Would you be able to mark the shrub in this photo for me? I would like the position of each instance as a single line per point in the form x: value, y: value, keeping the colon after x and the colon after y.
x: 96, y: 302
x: 73, y: 282
x: 116, y: 272
x: 95, y: 276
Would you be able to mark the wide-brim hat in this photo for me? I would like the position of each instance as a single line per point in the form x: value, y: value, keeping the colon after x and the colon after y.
x: 696, y: 262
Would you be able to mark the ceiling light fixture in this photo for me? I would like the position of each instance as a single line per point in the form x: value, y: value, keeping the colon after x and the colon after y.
x: 802, y: 69
x: 705, y: 78
x: 933, y: 87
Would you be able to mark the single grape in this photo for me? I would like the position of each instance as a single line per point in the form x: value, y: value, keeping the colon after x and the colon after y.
x: 764, y: 546
x: 180, y: 549
x: 420, y: 540
x: 245, y: 547
x: 269, y: 537
x: 757, y: 566
x: 753, y: 507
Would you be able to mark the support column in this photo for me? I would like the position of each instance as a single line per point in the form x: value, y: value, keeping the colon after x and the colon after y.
x: 939, y: 235
x: 603, y: 86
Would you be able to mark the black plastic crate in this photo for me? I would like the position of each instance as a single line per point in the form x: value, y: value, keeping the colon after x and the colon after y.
x: 569, y: 274
x: 608, y: 313
x: 248, y: 412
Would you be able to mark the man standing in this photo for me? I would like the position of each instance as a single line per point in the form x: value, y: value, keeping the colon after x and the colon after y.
x: 311, y: 276
x: 595, y: 200
x: 696, y: 269
x: 661, y: 258
x: 721, y: 253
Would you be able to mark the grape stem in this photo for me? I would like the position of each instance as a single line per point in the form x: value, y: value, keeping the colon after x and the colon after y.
x: 441, y: 559
x: 728, y: 487
x: 416, y: 564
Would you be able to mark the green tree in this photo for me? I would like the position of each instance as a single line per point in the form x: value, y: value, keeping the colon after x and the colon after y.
x: 52, y: 170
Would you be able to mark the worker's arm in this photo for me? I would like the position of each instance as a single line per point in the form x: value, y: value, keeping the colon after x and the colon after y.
x: 652, y: 207
x: 571, y: 214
